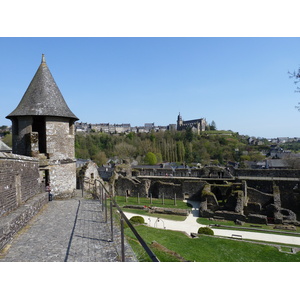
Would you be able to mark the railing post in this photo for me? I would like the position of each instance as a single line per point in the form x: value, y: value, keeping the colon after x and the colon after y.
x: 111, y: 221
x: 150, y: 198
x: 122, y: 240
x: 102, y: 206
x: 105, y: 209
x: 140, y: 239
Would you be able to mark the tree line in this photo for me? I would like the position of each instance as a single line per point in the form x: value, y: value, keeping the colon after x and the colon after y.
x: 170, y: 146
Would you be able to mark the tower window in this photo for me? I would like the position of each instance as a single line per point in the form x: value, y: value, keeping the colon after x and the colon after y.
x: 15, y: 126
x: 39, y: 126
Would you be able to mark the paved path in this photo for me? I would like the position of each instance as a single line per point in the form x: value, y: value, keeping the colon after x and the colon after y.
x: 190, y: 225
x: 68, y: 231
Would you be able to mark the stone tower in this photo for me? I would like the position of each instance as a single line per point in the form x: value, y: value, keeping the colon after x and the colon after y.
x: 43, y: 127
x: 179, y: 122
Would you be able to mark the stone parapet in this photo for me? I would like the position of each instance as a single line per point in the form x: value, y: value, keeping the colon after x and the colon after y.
x: 19, y: 180
x: 16, y: 220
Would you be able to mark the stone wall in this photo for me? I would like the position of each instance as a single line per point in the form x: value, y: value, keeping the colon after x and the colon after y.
x: 166, y: 188
x: 60, y: 138
x: 19, y: 180
x: 192, y: 189
x: 61, y: 154
x: 21, y: 193
x: 288, y: 173
x: 63, y: 179
x: 131, y: 187
x: 259, y: 197
x: 16, y: 220
x: 89, y: 177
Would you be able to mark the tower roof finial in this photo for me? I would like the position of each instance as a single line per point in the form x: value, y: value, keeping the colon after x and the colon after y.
x: 43, y: 59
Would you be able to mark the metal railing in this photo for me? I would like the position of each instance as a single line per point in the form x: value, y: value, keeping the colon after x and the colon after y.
x: 102, y: 194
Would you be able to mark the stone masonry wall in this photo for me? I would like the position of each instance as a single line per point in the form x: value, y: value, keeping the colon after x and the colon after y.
x: 288, y: 173
x: 63, y: 180
x: 16, y: 220
x: 19, y: 180
x: 61, y: 153
x: 60, y: 138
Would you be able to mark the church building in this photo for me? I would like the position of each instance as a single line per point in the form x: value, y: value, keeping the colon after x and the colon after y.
x: 197, y: 125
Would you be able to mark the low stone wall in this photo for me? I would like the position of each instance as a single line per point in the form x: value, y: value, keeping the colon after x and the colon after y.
x: 161, y: 210
x: 16, y: 220
x: 230, y: 215
x: 288, y: 173
x: 169, y: 211
x: 257, y: 219
x: 19, y: 180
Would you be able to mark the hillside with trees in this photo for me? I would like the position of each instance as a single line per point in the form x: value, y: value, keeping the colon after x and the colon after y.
x: 214, y: 146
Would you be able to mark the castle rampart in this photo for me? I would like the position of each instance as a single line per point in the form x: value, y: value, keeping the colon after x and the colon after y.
x: 19, y: 180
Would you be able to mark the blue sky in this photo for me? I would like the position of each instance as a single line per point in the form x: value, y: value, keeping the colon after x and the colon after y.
x: 240, y: 83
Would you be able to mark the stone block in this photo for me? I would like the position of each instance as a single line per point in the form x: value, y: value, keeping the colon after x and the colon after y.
x: 258, y: 219
x: 230, y: 215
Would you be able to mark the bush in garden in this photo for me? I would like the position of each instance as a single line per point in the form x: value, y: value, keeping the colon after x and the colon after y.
x: 205, y: 230
x: 137, y: 220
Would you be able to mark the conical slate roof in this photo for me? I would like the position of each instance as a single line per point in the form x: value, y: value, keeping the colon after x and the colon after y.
x: 42, y: 97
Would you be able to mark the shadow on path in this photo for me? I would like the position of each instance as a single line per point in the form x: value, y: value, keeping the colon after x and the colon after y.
x: 72, y: 233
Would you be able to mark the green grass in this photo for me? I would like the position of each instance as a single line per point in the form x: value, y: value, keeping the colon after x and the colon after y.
x: 121, y: 200
x: 205, y: 221
x: 145, y: 213
x: 205, y: 248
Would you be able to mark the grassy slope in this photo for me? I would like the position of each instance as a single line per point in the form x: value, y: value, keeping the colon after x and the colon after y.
x: 207, y: 249
x: 155, y: 202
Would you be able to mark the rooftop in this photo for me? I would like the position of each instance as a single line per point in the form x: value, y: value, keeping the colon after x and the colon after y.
x: 42, y: 97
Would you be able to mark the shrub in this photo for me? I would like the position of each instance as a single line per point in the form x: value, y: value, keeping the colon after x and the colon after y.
x: 137, y: 220
x: 205, y: 230
x: 150, y: 158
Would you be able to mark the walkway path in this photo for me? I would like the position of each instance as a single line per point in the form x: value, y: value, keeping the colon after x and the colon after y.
x: 190, y: 225
x: 68, y: 231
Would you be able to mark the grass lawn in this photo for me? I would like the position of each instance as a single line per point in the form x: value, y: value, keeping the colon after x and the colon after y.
x: 168, y: 203
x: 163, y: 216
x: 204, y: 248
x: 205, y: 221
x: 121, y: 200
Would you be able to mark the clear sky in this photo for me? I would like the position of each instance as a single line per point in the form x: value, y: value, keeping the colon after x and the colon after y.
x: 240, y: 83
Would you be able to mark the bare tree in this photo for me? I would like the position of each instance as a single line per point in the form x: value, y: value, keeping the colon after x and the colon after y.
x: 296, y: 76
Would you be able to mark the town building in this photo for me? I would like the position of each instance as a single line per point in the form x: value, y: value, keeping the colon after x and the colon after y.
x: 197, y: 126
